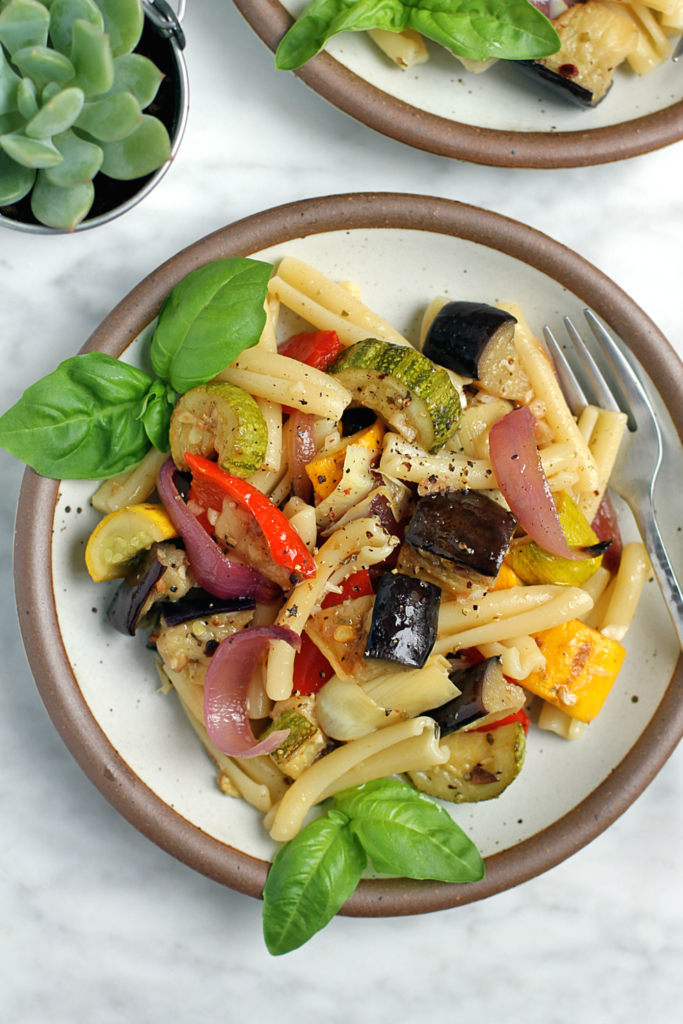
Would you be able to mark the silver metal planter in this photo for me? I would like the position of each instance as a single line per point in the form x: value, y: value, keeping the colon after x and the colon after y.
x: 163, y: 41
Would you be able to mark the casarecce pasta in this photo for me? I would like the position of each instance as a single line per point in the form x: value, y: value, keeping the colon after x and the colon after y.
x: 397, y: 598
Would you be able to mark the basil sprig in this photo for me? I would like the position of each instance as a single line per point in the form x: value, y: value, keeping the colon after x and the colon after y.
x: 312, y: 875
x: 402, y: 831
x: 213, y: 315
x: 476, y: 29
x: 95, y: 416
x: 81, y: 421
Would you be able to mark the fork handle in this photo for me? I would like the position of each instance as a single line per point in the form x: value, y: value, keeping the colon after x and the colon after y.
x: 666, y: 577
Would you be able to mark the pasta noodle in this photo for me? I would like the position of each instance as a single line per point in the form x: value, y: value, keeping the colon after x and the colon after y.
x: 407, y: 461
x: 304, y: 392
x: 318, y: 288
x: 520, y: 656
x: 455, y: 616
x: 407, y: 48
x: 555, y: 720
x: 272, y: 414
x: 421, y: 751
x: 571, y: 602
x: 604, y: 442
x: 309, y: 788
x: 130, y: 488
x: 634, y: 569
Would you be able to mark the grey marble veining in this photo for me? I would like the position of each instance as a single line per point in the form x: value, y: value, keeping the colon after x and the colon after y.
x: 101, y: 927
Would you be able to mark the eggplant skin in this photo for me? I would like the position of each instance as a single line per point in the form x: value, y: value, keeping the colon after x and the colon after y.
x: 562, y: 86
x: 464, y: 527
x: 471, y: 705
x: 404, y: 620
x: 461, y: 331
x: 129, y: 600
x: 200, y: 604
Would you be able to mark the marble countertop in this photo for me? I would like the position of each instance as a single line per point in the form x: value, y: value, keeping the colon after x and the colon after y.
x: 101, y: 927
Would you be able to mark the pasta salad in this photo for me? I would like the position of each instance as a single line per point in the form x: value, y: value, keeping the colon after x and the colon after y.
x: 572, y: 48
x: 359, y: 563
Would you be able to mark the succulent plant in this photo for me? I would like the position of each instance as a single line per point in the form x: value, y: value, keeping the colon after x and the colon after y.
x: 72, y: 95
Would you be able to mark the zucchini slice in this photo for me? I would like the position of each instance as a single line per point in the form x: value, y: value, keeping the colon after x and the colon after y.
x: 306, y: 740
x: 219, y: 417
x: 481, y: 765
x: 406, y: 390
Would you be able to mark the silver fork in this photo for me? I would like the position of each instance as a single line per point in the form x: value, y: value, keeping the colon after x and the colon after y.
x: 640, y: 454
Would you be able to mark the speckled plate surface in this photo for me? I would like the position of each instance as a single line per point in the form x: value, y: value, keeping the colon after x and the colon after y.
x: 100, y: 688
x: 498, y: 118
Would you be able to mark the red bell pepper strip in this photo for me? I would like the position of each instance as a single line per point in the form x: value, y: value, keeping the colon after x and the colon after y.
x: 357, y: 585
x: 311, y: 668
x: 202, y: 518
x: 211, y: 485
x: 519, y: 716
x: 314, y: 348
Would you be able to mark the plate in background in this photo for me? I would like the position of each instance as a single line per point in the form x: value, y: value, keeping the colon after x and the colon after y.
x: 498, y: 117
x: 100, y: 688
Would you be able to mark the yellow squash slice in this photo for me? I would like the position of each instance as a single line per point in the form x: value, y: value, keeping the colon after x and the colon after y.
x: 121, y: 536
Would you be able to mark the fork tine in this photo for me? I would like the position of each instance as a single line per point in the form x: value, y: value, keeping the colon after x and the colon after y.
x: 638, y: 404
x: 572, y: 390
x: 604, y: 396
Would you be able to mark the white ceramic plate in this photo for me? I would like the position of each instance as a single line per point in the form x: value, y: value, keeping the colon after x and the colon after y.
x: 399, y: 270
x: 498, y: 117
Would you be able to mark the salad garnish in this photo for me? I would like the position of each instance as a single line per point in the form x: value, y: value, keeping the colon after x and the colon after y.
x: 402, y: 832
x: 95, y: 416
x: 474, y: 29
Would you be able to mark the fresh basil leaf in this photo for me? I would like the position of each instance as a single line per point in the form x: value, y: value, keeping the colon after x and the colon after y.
x: 405, y: 833
x: 157, y: 407
x: 213, y: 315
x: 323, y: 19
x: 81, y: 421
x: 311, y: 877
x: 477, y: 29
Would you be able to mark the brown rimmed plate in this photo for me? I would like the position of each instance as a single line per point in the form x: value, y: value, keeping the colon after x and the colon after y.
x: 101, y: 688
x: 498, y: 118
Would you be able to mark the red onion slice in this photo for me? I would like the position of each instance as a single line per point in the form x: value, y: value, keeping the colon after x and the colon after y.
x: 301, y: 449
x: 226, y: 686
x: 220, y: 575
x: 519, y: 473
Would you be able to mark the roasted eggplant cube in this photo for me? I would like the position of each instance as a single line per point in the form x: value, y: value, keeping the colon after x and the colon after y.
x: 595, y: 40
x: 404, y: 620
x: 465, y: 528
x: 484, y: 693
x: 130, y: 599
x: 462, y: 333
